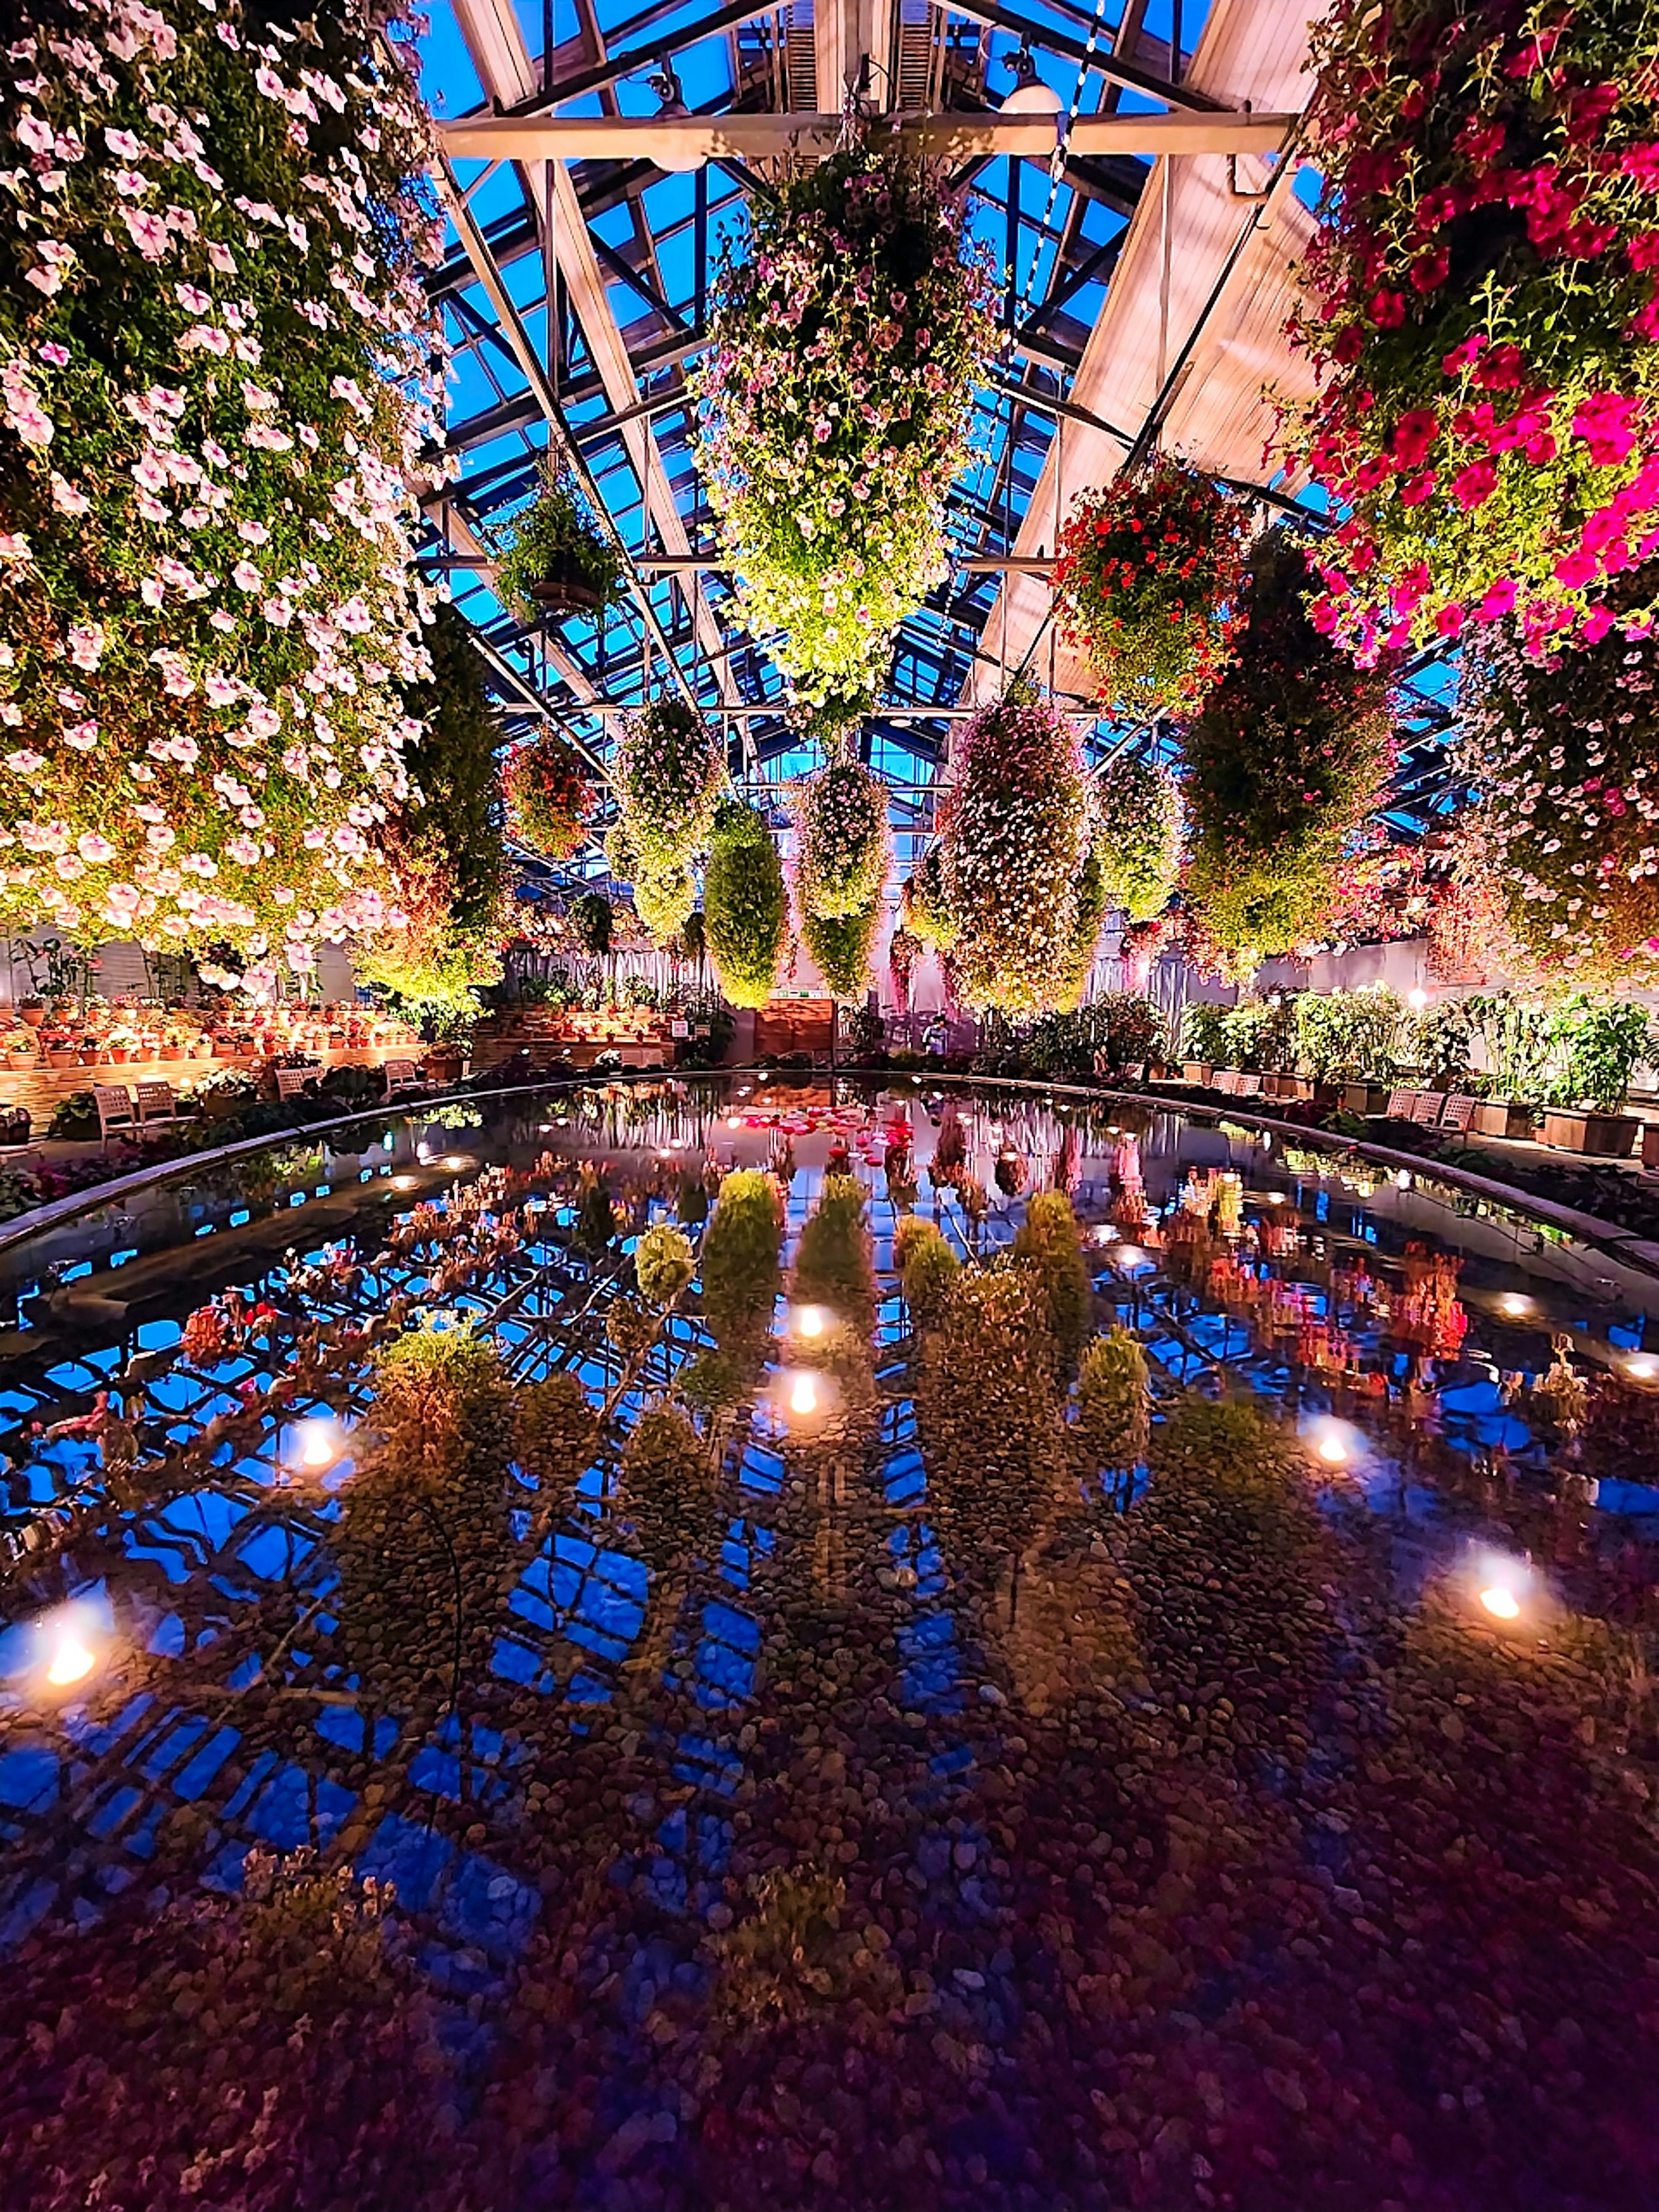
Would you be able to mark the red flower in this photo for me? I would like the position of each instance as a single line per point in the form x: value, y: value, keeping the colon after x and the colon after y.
x: 1413, y: 435
x: 1481, y: 140
x: 1642, y: 250
x: 1430, y: 270
x: 1449, y: 620
x: 1473, y: 486
x: 1501, y: 370
x: 1603, y: 422
x: 1499, y: 600
x: 1577, y: 569
x: 1461, y: 356
x: 1642, y: 162
x: 1420, y: 488
x: 1386, y: 310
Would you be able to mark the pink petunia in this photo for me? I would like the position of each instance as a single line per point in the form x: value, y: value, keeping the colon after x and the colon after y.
x: 1576, y: 569
x: 1473, y: 486
x: 1603, y: 422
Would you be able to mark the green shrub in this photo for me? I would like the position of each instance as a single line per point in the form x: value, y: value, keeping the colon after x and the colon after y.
x: 1114, y: 1401
x: 663, y: 1264
x: 1051, y: 1241
x: 930, y: 1274
x: 741, y: 1272
x: 746, y: 906
x: 832, y: 1262
x: 1343, y: 1035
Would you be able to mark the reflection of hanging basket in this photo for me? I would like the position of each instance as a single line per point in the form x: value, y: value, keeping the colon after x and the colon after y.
x: 566, y: 588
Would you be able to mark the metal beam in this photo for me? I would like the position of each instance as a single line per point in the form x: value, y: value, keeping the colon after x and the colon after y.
x: 768, y: 137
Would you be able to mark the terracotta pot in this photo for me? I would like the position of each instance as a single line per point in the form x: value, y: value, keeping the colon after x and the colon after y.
x: 88, y: 1056
x: 1597, y: 1136
x: 1197, y: 1071
x: 118, y: 1055
x: 33, y: 1015
x: 62, y: 1056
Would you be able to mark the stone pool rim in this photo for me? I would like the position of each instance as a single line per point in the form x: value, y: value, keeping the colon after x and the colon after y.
x: 1589, y: 1228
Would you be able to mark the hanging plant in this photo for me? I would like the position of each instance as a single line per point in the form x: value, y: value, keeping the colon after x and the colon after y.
x: 1147, y: 585
x: 745, y: 908
x: 592, y: 920
x: 841, y: 946
x: 1092, y: 903
x: 668, y: 774
x: 555, y: 559
x: 1284, y: 765
x: 1137, y: 834
x: 1484, y: 316
x: 841, y: 820
x: 905, y: 949
x: 1563, y: 757
x: 921, y: 903
x: 216, y: 362
x: 1013, y: 836
x: 847, y: 334
x: 548, y: 796
x: 664, y: 902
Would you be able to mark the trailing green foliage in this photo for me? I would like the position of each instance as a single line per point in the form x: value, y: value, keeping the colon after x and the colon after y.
x: 592, y: 918
x: 451, y: 763
x: 740, y: 1268
x: 555, y: 537
x: 834, y: 1266
x: 1137, y: 834
x: 746, y: 906
x: 840, y: 947
x: 1050, y: 1240
x: 1113, y: 1395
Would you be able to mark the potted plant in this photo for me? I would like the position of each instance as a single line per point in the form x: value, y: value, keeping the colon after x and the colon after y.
x: 1519, y: 1039
x: 1202, y: 1041
x: 1348, y: 1041
x: 1604, y: 1047
x: 61, y: 1050
x: 555, y: 562
x: 32, y: 1010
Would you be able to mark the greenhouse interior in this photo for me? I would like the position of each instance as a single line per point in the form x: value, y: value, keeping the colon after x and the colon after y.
x: 829, y: 1106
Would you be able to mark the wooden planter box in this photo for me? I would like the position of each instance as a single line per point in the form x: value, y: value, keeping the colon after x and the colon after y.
x: 1650, y: 1143
x: 1197, y: 1071
x: 1598, y: 1136
x: 1364, y: 1097
x: 1502, y: 1117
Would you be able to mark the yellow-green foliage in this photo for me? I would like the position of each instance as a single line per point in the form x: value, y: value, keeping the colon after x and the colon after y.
x: 741, y: 1272
x: 929, y: 1272
x: 834, y: 1266
x: 667, y: 1481
x: 1114, y: 1401
x: 663, y: 1264
x: 911, y: 1232
x: 443, y: 1406
x: 1050, y: 1240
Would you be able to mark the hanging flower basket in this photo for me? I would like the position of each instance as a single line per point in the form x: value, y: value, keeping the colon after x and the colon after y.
x: 1482, y: 315
x: 555, y: 559
x: 836, y: 399
x: 840, y: 819
x: 1147, y: 585
x: 565, y: 587
x: 548, y: 796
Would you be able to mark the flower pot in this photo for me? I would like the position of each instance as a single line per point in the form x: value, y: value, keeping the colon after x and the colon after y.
x: 87, y: 1055
x: 1364, y: 1097
x: 33, y: 1015
x: 62, y: 1056
x: 118, y: 1055
x: 1598, y: 1136
x: 565, y: 589
x: 1197, y: 1071
x: 1650, y: 1143
x: 443, y: 1067
x: 1502, y: 1117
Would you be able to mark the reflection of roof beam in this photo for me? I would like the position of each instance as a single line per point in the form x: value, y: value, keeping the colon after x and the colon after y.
x: 767, y: 138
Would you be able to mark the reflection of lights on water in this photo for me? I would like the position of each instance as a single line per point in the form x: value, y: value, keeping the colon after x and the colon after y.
x: 1501, y: 1585
x: 804, y: 1394
x: 1105, y: 1234
x: 1514, y: 1304
x: 320, y: 1445
x: 424, y: 1152
x: 71, y: 1662
x: 455, y: 1162
x: 810, y: 1321
x: 1642, y: 1368
x: 1503, y: 1604
x: 405, y: 1183
x: 1275, y: 1198
x: 1403, y: 1177
x: 1332, y: 1450
x: 1130, y: 1255
x: 732, y: 1121
x: 1417, y: 1000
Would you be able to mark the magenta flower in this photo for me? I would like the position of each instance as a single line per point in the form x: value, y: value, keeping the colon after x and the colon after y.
x: 1603, y: 422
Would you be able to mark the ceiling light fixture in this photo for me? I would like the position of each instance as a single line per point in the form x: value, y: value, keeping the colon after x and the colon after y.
x: 672, y: 109
x: 1030, y: 95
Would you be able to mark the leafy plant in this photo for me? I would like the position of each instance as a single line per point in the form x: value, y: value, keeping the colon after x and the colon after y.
x: 555, y: 537
x: 1259, y: 1035
x: 1440, y: 1041
x: 664, y: 1264
x: 1050, y: 1241
x: 1342, y: 1035
x: 841, y: 947
x: 1115, y: 1398
x: 668, y: 773
x: 1146, y: 584
x: 841, y: 821
x: 548, y: 796
x: 1283, y: 764
x: 744, y: 905
x: 1562, y: 753
x: 1601, y: 1048
x: 1012, y: 836
x: 836, y: 402
x: 1482, y: 315
x: 740, y: 1268
x: 1137, y: 810
x: 216, y: 360
x: 1204, y: 1032
x: 1519, y: 1039
x: 450, y: 764
x: 591, y: 918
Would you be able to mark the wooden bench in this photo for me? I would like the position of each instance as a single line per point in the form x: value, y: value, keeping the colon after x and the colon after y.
x: 1427, y: 1106
x: 401, y: 1075
x: 1459, y: 1111
x: 115, y: 1110
x: 1402, y: 1104
x: 291, y: 1082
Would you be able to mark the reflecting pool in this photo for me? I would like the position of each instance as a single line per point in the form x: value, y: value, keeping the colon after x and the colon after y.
x: 486, y: 1721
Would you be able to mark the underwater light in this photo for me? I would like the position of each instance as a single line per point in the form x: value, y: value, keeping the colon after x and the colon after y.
x: 1131, y: 1254
x: 456, y: 1162
x: 1332, y: 1450
x: 733, y: 1122
x: 811, y: 1321
x: 1642, y: 1368
x: 1503, y: 1604
x: 804, y: 1394
x: 405, y: 1183
x: 1106, y: 1234
x: 71, y: 1662
x: 1514, y: 1304
x: 320, y: 1445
